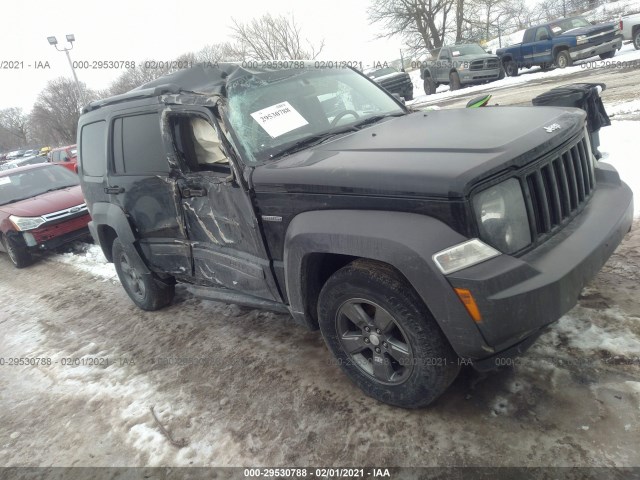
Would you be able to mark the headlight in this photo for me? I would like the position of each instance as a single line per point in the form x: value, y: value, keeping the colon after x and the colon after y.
x: 463, y: 255
x: 26, y: 223
x: 502, y: 216
x: 580, y: 39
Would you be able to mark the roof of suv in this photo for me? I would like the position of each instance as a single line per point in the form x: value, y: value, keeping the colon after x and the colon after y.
x: 203, y: 78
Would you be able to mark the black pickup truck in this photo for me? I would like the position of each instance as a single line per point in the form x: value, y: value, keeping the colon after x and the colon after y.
x: 560, y: 43
x: 415, y: 241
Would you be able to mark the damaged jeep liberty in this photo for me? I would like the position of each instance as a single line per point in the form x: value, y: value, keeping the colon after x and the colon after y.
x: 415, y: 241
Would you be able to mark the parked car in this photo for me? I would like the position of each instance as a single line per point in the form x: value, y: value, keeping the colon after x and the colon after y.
x: 414, y: 242
x: 22, y: 161
x: 65, y: 156
x: 15, y: 154
x: 630, y: 28
x: 393, y: 81
x: 31, y: 153
x: 460, y: 65
x: 41, y: 207
x: 560, y: 43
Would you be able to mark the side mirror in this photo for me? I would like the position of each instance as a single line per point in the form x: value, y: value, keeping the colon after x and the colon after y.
x: 398, y: 97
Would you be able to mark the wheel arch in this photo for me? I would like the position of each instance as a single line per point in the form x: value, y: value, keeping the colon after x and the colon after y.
x: 109, y: 222
x: 318, y: 243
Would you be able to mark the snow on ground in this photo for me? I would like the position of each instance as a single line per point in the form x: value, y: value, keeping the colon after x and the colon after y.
x: 619, y: 147
x: 88, y: 258
x: 624, y: 57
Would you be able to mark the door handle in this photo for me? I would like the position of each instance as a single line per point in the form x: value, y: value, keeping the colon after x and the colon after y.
x: 193, y: 192
x: 114, y: 190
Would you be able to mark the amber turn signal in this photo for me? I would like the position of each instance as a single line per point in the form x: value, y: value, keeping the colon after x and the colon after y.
x: 469, y: 303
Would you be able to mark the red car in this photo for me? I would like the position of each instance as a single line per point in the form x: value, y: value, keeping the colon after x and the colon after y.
x: 41, y: 207
x: 65, y: 156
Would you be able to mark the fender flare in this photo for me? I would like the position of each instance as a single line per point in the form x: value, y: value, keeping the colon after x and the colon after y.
x: 406, y: 241
x: 113, y: 216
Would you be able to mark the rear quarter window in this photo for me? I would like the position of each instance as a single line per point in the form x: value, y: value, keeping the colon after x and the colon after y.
x: 93, y: 149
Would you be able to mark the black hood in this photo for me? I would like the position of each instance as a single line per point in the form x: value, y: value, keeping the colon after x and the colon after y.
x: 425, y: 154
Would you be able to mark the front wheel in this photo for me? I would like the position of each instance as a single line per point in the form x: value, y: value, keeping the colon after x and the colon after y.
x: 18, y: 254
x: 454, y: 81
x: 383, y: 336
x: 563, y: 59
x: 429, y: 86
x: 511, y: 68
x: 636, y: 39
x: 146, y: 290
x: 408, y: 96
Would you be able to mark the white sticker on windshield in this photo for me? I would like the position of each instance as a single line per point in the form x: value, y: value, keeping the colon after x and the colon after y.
x: 279, y: 119
x: 5, y: 180
x: 456, y: 53
x: 556, y: 29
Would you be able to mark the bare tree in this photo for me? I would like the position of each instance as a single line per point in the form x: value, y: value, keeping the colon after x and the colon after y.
x: 13, y: 128
x: 421, y: 23
x: 221, y: 52
x: 54, y: 118
x: 273, y: 38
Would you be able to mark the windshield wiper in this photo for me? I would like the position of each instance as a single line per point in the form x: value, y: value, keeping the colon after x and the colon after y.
x: 311, y: 141
x: 375, y: 119
x: 56, y: 188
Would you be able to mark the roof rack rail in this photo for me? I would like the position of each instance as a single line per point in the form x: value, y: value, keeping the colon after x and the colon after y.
x: 133, y: 95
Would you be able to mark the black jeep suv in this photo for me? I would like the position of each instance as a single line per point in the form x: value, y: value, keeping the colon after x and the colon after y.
x: 415, y: 241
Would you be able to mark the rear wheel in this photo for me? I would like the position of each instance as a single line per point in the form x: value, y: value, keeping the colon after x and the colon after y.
x: 429, y: 86
x: 146, y: 290
x: 511, y: 68
x: 563, y: 59
x: 18, y: 254
x: 383, y: 336
x: 636, y: 39
x: 610, y: 54
x: 454, y: 81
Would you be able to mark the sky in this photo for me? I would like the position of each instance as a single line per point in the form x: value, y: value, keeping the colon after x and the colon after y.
x: 157, y: 30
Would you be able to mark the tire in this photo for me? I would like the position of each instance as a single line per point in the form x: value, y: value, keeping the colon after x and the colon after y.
x: 146, y: 290
x: 416, y: 363
x: 510, y: 68
x: 408, y: 95
x: 454, y: 81
x: 608, y: 55
x: 636, y: 39
x: 429, y: 86
x: 502, y: 74
x: 563, y: 59
x: 18, y: 254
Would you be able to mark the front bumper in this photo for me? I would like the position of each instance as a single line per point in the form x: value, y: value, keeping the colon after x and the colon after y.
x: 468, y: 77
x: 518, y: 297
x: 586, y: 51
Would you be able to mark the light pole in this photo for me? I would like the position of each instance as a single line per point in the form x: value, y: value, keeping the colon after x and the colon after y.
x: 70, y: 38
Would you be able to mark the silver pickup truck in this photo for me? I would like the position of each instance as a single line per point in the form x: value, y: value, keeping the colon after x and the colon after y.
x: 630, y: 27
x: 459, y: 65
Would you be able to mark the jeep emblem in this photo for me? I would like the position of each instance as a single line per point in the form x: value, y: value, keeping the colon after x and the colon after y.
x: 74, y: 209
x: 552, y: 127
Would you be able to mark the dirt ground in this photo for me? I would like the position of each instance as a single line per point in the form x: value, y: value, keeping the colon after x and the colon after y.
x: 232, y: 386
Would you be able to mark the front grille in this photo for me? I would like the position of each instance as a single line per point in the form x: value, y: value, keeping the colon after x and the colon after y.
x: 490, y: 63
x: 67, y: 212
x: 559, y: 188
